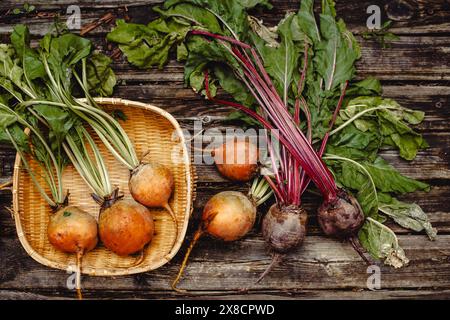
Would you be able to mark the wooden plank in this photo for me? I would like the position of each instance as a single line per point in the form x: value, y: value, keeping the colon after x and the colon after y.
x: 409, y: 58
x: 414, y: 17
x: 17, y: 294
x: 321, y: 263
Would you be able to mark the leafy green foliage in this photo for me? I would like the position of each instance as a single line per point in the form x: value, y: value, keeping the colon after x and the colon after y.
x: 100, y: 77
x: 26, y: 8
x: 46, y: 74
x: 408, y: 215
x: 337, y: 50
x: 145, y: 46
x: 382, y: 243
x: 387, y: 119
x: 281, y: 61
x: 11, y: 74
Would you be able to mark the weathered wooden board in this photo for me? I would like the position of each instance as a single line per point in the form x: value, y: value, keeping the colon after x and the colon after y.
x: 415, y: 71
x: 320, y: 264
x: 410, y: 17
x: 201, y: 295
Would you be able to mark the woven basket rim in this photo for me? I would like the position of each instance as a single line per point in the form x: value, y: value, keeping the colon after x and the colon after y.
x: 190, y: 183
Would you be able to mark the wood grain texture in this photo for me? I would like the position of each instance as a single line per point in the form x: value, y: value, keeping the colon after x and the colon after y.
x: 415, y: 71
x: 225, y: 268
x: 410, y: 58
x: 410, y: 17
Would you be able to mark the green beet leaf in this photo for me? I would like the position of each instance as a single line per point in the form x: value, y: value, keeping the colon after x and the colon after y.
x: 408, y: 215
x: 382, y: 243
x: 100, y: 77
x: 144, y: 46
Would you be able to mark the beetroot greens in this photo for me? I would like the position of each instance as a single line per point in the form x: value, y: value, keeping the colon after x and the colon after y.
x: 284, y: 226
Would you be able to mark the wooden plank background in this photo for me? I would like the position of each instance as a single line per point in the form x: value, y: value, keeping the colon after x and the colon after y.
x: 415, y: 71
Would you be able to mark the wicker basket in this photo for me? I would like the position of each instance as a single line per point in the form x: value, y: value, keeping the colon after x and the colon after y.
x: 153, y: 132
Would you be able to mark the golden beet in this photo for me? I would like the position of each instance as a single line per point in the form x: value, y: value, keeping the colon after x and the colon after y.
x: 72, y: 230
x: 126, y: 227
x: 237, y: 159
x: 229, y: 215
x: 151, y: 184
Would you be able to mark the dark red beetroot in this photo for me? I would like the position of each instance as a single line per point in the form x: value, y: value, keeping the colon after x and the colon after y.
x: 342, y: 217
x: 283, y: 229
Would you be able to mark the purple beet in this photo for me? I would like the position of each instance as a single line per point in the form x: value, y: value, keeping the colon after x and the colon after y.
x: 342, y: 217
x: 283, y: 229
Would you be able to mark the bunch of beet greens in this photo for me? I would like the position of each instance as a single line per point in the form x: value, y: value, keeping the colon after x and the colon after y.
x: 298, y: 81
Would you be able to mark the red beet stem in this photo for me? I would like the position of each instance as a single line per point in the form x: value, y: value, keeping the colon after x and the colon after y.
x: 333, y: 120
x: 260, y: 85
x: 218, y: 36
x: 306, y: 182
x: 356, y: 246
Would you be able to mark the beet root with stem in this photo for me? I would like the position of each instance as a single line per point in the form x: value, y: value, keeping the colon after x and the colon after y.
x: 151, y: 184
x: 227, y: 216
x: 73, y: 230
x: 342, y: 218
x: 283, y: 228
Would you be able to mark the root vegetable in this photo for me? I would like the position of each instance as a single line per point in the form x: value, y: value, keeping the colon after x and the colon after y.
x: 151, y: 184
x: 145, y: 179
x: 73, y: 230
x: 341, y: 218
x: 70, y: 229
x: 228, y: 216
x: 237, y: 159
x: 126, y: 227
x: 284, y: 229
x: 300, y: 162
